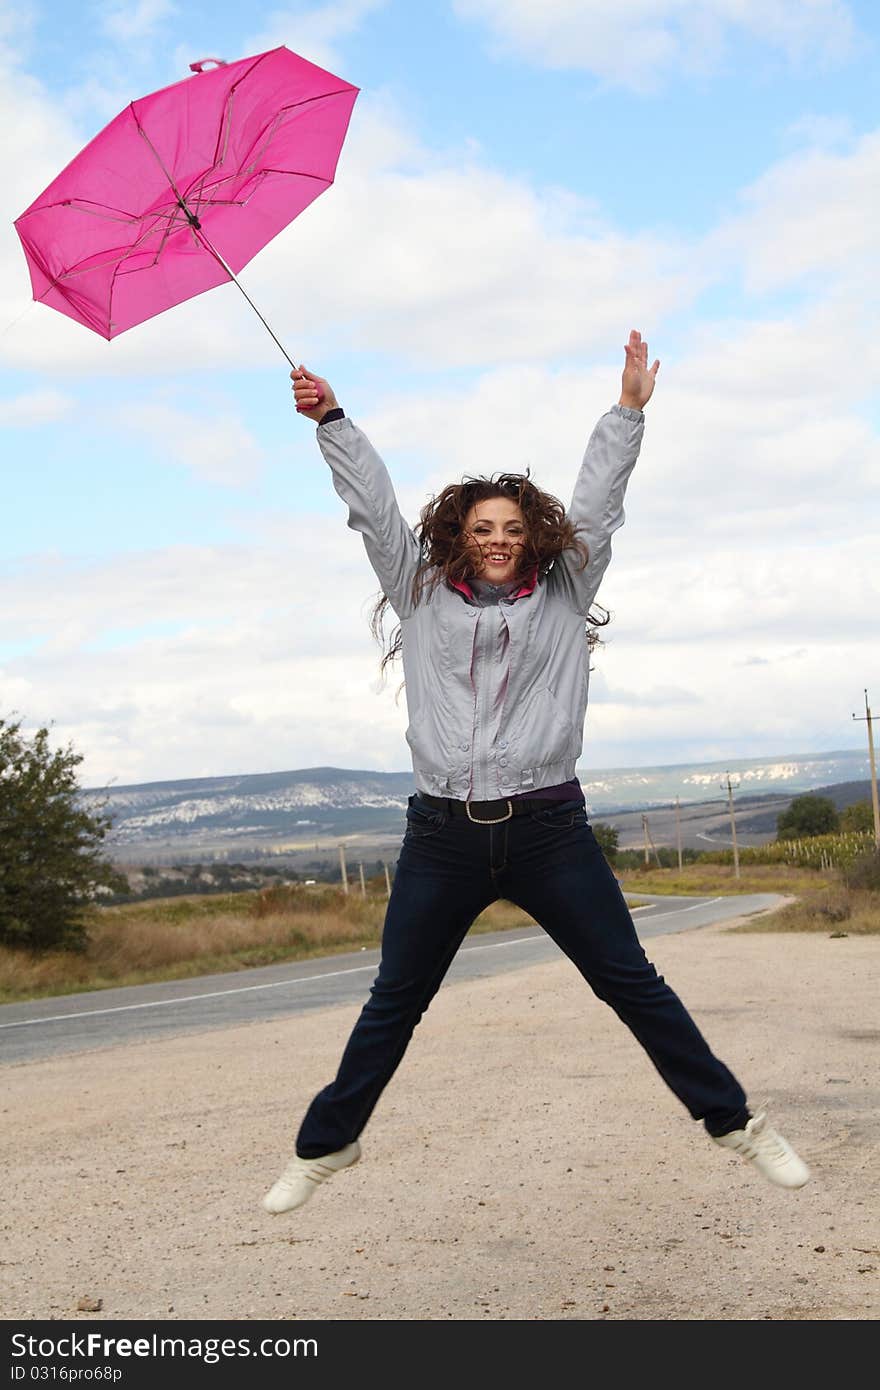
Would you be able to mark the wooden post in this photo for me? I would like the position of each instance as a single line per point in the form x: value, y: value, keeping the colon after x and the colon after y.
x: 678, y: 830
x: 651, y: 842
x: 875, y: 803
x: 363, y: 884
x: 387, y: 878
x: 342, y: 867
x: 645, y: 831
x: 730, y: 790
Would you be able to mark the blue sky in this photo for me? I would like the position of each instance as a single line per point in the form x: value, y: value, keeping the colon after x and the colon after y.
x: 522, y: 184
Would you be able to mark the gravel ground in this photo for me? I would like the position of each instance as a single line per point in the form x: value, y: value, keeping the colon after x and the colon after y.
x: 525, y: 1163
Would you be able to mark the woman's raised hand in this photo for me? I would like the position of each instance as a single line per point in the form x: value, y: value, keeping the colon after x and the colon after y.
x: 312, y: 394
x: 638, y: 377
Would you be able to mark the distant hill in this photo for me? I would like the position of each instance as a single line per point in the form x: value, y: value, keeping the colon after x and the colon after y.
x: 843, y: 795
x: 271, y: 812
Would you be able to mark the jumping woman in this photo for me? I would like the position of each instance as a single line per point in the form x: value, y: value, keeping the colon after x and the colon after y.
x: 494, y: 592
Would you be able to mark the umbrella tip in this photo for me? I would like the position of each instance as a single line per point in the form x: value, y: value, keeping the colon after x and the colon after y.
x: 199, y: 66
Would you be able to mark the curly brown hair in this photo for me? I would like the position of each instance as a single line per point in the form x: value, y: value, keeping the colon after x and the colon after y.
x: 448, y: 557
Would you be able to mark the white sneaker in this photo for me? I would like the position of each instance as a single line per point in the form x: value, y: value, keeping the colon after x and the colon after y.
x: 303, y: 1175
x: 771, y: 1154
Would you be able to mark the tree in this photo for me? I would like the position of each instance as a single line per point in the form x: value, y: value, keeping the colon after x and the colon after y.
x: 858, y: 816
x: 807, y: 815
x: 607, y: 838
x: 50, y: 846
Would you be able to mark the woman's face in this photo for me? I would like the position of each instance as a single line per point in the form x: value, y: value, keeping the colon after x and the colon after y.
x: 495, y: 532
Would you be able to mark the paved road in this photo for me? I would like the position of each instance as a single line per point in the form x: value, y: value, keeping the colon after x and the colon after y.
x: 105, y: 1018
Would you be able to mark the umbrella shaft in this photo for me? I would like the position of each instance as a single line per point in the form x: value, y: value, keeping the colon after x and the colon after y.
x: 220, y: 261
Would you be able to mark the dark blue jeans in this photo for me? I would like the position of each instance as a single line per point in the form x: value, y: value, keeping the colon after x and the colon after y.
x: 549, y: 864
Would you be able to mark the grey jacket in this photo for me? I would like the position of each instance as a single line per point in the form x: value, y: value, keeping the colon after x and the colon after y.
x: 496, y: 694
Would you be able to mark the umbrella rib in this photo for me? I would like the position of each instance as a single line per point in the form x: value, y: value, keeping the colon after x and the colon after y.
x: 75, y: 204
x: 293, y: 106
x: 242, y: 202
x: 226, y: 118
x: 174, y: 214
x: 263, y: 136
x: 173, y: 221
x: 121, y: 253
x: 158, y: 159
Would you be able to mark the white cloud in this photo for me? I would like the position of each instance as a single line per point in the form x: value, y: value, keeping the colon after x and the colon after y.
x: 270, y: 661
x: 34, y: 408
x: 642, y: 43
x: 811, y: 217
x: 756, y: 431
x: 313, y: 32
x: 126, y: 22
x: 219, y: 449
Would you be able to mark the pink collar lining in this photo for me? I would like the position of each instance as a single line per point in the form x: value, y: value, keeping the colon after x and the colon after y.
x: 527, y: 587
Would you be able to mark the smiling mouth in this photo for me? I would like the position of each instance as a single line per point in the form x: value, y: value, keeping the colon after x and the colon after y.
x: 497, y: 559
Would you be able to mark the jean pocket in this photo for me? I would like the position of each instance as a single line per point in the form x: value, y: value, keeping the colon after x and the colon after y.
x: 423, y: 820
x: 567, y: 815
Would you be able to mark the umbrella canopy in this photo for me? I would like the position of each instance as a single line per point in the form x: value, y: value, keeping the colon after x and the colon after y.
x: 184, y: 187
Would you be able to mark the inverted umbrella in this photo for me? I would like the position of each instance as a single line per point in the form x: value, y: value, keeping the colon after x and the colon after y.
x: 184, y: 187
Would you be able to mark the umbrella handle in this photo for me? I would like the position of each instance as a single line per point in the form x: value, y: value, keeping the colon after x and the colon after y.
x: 200, y: 65
x: 299, y: 409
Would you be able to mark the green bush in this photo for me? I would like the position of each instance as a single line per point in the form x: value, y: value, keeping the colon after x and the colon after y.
x: 864, y: 872
x: 50, y: 847
x: 858, y: 816
x: 607, y: 838
x: 807, y: 815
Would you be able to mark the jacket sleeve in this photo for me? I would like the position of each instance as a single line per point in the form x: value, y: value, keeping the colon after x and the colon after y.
x: 596, y: 509
x: 362, y: 481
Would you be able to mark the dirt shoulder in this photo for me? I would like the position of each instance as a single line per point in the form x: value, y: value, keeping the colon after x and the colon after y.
x: 525, y: 1162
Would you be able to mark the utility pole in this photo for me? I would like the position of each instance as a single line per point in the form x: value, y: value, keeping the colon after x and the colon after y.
x: 678, y: 830
x: 731, y: 787
x: 363, y: 884
x: 866, y: 718
x: 342, y: 867
x: 649, y: 841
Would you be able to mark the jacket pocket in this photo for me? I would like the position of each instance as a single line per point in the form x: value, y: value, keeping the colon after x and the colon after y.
x: 545, y: 734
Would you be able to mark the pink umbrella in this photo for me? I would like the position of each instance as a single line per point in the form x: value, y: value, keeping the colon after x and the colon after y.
x: 184, y: 187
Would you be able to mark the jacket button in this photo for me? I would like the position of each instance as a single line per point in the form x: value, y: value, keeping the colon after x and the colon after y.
x: 502, y: 761
x: 502, y: 743
x: 465, y: 746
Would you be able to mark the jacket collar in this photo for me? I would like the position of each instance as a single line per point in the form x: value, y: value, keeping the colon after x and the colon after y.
x: 525, y: 588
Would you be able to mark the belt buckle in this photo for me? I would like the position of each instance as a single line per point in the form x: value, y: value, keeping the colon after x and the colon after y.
x: 497, y: 821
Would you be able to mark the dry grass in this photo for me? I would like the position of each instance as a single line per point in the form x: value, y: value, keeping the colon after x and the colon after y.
x: 824, y: 903
x: 835, y: 911
x: 176, y: 938
x: 711, y: 879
